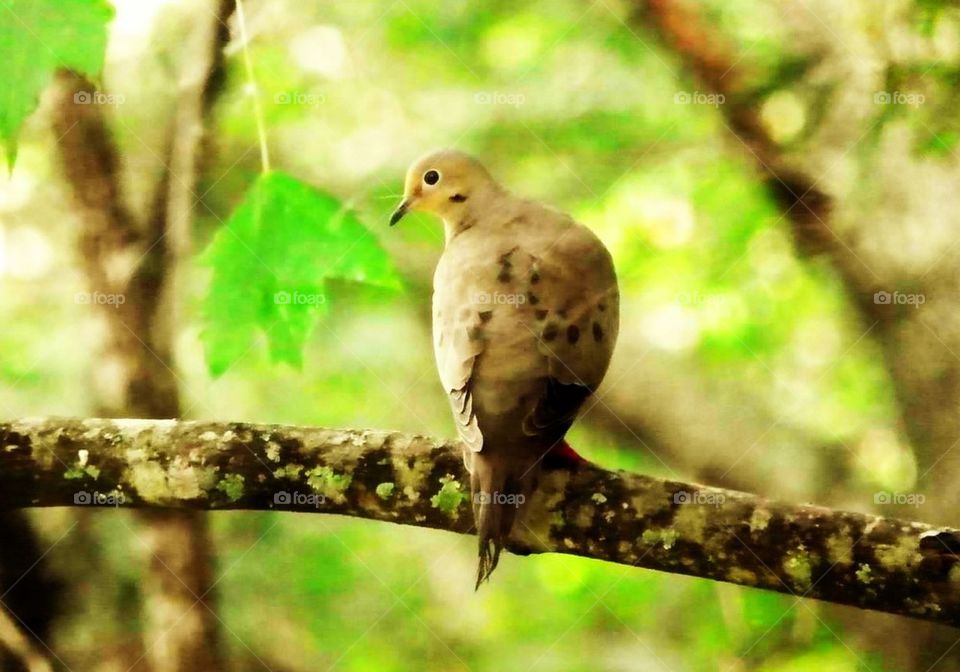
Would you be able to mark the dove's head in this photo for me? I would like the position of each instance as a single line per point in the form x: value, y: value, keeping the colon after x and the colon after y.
x: 443, y: 183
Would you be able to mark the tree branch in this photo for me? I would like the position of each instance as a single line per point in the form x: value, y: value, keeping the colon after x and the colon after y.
x: 805, y: 204
x: 856, y: 559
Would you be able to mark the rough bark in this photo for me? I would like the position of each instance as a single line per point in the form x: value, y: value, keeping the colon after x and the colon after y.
x: 866, y: 561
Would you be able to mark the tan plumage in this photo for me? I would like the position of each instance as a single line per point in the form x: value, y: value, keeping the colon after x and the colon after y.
x: 525, y: 317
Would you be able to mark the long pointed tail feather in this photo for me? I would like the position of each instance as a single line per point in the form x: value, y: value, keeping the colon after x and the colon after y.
x: 499, y: 488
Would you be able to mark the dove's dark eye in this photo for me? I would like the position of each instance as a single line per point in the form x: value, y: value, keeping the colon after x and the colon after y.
x: 431, y: 177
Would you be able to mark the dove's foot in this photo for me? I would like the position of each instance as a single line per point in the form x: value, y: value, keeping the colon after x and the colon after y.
x: 562, y: 456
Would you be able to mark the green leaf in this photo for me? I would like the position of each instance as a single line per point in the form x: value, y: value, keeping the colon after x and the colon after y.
x: 36, y: 38
x: 271, y: 261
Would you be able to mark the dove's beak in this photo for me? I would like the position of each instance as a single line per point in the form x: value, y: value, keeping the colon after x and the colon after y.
x: 399, y: 212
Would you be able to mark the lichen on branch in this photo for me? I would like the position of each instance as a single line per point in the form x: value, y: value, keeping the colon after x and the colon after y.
x: 867, y: 561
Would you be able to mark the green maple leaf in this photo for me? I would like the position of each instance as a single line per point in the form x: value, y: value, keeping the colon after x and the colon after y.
x: 37, y: 37
x: 271, y: 261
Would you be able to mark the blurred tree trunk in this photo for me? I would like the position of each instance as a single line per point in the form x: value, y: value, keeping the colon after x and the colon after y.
x: 131, y: 270
x: 921, y: 347
x: 22, y: 649
x: 27, y: 592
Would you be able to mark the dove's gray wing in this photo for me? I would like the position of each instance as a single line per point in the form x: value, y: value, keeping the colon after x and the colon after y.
x: 456, y: 342
x: 578, y: 307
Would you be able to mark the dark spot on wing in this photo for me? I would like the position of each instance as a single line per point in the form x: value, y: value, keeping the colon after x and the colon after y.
x: 601, y: 307
x: 458, y: 198
x: 550, y: 332
x: 505, y: 257
x: 465, y: 224
x: 597, y: 332
x: 573, y: 334
x: 475, y: 333
x: 485, y: 315
x: 505, y: 266
x: 533, y: 298
x: 542, y: 314
x: 534, y: 278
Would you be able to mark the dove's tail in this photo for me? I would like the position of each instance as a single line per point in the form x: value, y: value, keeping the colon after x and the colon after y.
x: 500, y: 487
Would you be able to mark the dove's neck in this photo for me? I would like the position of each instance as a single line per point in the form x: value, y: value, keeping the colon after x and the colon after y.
x: 477, y: 208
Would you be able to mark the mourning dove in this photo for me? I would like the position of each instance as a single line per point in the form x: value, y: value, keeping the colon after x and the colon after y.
x: 525, y: 317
